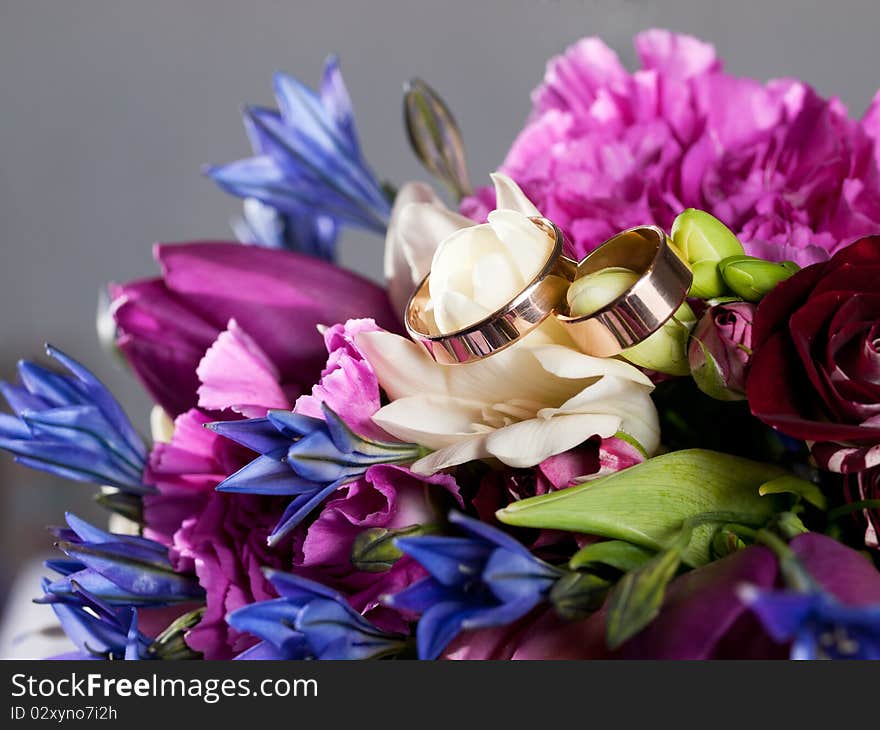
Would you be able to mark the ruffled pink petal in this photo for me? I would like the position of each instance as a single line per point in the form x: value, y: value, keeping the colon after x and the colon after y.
x: 236, y: 374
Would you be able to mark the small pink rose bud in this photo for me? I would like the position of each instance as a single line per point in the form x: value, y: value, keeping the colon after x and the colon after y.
x: 720, y: 349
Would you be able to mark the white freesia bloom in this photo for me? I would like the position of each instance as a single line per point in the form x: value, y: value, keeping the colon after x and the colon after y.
x: 537, y: 398
x: 420, y: 222
x: 520, y: 406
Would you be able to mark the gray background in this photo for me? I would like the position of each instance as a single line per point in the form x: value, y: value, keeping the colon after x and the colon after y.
x: 108, y: 110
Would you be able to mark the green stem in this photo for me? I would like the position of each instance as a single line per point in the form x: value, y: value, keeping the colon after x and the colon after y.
x: 795, y: 574
x: 846, y: 509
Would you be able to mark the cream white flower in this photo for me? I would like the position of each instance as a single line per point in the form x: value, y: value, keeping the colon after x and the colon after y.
x: 537, y: 398
x: 420, y: 223
x: 520, y: 406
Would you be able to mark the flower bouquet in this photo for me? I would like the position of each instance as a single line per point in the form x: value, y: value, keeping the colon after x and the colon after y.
x: 624, y: 402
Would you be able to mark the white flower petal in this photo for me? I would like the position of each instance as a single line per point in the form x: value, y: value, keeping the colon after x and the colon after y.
x: 496, y: 281
x: 528, y: 443
x: 453, y: 311
x: 455, y: 257
x: 402, y: 367
x: 460, y: 453
x: 527, y: 245
x: 509, y: 196
x: 419, y: 222
x: 430, y: 420
x: 423, y: 227
x: 615, y: 396
x: 566, y: 362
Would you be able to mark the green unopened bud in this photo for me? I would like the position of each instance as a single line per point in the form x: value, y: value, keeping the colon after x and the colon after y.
x: 590, y: 293
x: 666, y: 350
x: 752, y: 278
x: 707, y: 282
x: 129, y: 506
x: 701, y: 236
x: 171, y: 643
x: 703, y: 241
x: 576, y: 595
x: 374, y: 550
x: 724, y: 543
x: 435, y: 137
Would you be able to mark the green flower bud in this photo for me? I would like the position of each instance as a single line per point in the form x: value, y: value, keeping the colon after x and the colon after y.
x: 374, y: 550
x: 703, y: 241
x: 435, y: 137
x: 666, y: 351
x: 590, y: 293
x: 576, y: 595
x: 751, y: 278
x: 129, y: 506
x: 171, y: 643
x: 700, y: 237
x: 724, y: 542
x: 707, y: 282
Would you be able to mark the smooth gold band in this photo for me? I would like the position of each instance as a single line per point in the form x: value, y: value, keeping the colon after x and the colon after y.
x: 664, y: 280
x: 541, y: 298
x: 643, y: 308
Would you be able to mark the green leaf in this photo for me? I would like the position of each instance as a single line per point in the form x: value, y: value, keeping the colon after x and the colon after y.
x: 618, y: 554
x: 790, y: 484
x: 647, y: 504
x: 636, y: 599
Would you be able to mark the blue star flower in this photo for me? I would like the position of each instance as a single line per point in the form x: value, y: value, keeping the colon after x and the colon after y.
x: 71, y: 425
x: 303, y: 457
x: 818, y: 626
x: 310, y: 621
x: 307, y: 162
x: 484, y: 579
x: 98, y: 630
x: 121, y: 570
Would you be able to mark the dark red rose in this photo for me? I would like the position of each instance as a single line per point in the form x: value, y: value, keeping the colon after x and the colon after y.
x: 815, y: 371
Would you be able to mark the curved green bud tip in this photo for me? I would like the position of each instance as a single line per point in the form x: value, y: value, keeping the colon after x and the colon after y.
x: 374, y: 550
x: 751, y: 278
x: 724, y: 543
x: 576, y: 595
x: 648, y: 503
x: 435, y: 137
x: 590, y: 293
x: 707, y: 282
x: 666, y: 350
x: 701, y: 237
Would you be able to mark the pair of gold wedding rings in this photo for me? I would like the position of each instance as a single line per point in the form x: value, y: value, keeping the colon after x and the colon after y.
x: 663, y: 283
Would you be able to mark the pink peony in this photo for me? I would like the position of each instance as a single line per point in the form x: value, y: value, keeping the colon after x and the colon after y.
x: 606, y: 149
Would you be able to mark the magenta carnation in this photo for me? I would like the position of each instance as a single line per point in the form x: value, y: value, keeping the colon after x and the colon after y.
x: 387, y: 497
x: 348, y: 384
x: 606, y: 149
x: 220, y: 536
x: 223, y: 536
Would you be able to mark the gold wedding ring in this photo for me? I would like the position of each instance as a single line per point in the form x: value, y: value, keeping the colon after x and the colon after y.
x: 664, y: 280
x: 502, y: 328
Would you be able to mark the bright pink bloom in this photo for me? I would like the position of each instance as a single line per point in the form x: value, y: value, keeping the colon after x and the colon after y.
x: 606, y: 149
x: 278, y: 298
x: 388, y: 497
